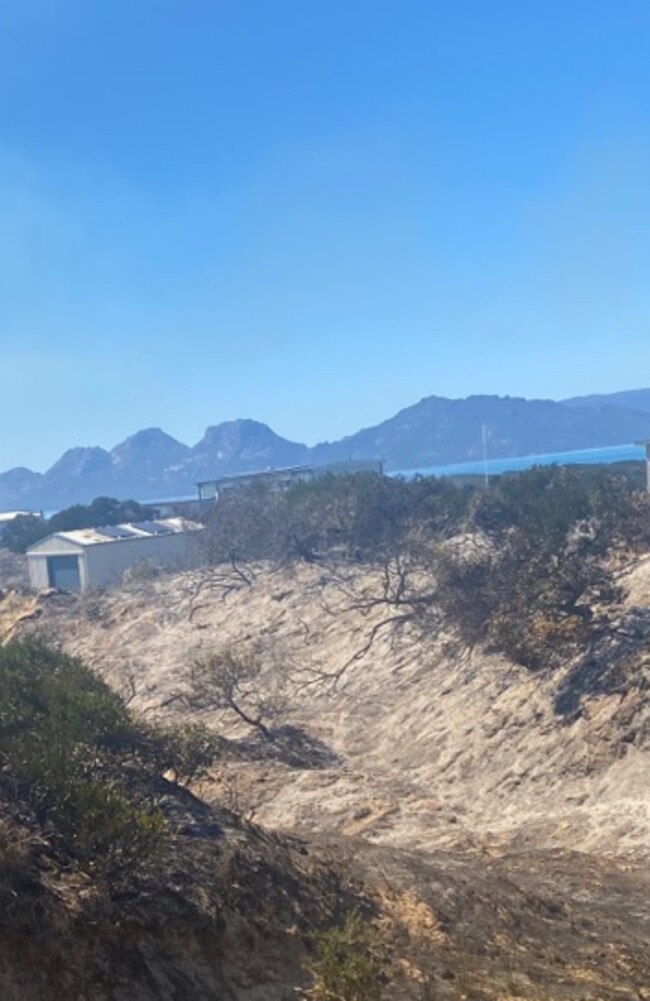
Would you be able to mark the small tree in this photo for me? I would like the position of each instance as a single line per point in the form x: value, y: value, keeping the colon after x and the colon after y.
x: 349, y: 964
x: 232, y: 679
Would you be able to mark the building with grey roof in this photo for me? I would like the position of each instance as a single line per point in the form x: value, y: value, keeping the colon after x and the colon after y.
x: 282, y: 479
x: 90, y: 558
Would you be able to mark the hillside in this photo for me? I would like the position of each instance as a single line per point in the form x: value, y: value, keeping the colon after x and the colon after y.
x: 634, y: 399
x: 152, y: 465
x: 560, y: 779
x: 502, y: 815
x: 115, y: 880
x: 439, y: 431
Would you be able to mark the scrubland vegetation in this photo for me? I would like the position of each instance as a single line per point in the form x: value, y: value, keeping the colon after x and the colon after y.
x: 529, y: 568
x: 526, y: 566
x: 81, y: 763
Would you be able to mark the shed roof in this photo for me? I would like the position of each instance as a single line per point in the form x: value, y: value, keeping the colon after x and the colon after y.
x: 127, y: 532
x: 320, y: 468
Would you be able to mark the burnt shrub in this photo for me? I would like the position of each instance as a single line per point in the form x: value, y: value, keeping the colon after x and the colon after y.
x: 357, y: 517
x: 538, y: 583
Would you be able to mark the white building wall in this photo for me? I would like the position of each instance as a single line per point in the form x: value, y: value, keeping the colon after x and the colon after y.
x: 105, y: 563
x: 38, y: 574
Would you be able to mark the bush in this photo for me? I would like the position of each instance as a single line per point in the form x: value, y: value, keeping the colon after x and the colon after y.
x: 534, y: 586
x: 349, y: 964
x: 70, y: 749
x: 185, y: 750
x: 99, y: 819
x: 234, y: 679
x: 531, y: 561
x: 23, y: 532
x: 359, y: 517
x: 47, y: 694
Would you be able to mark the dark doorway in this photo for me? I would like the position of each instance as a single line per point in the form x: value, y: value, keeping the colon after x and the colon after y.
x: 63, y: 572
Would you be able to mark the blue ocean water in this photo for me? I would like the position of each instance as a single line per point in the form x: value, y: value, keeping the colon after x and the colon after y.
x: 587, y: 456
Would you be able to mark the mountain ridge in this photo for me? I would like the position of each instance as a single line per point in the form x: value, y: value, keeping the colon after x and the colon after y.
x: 634, y: 399
x: 152, y: 464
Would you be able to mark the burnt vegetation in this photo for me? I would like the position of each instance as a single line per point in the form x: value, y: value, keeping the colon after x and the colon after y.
x: 114, y: 878
x: 229, y: 679
x: 527, y: 567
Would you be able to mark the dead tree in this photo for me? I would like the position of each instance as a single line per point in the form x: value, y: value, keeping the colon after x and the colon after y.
x: 232, y: 679
x: 396, y: 592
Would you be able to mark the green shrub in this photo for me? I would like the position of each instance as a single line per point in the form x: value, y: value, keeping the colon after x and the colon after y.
x: 70, y: 749
x: 99, y: 819
x: 349, y: 964
x: 46, y: 693
x: 23, y: 532
x: 186, y: 750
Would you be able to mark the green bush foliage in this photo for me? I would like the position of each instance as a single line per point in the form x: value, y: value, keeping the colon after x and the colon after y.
x: 184, y: 751
x: 349, y: 964
x: 23, y: 532
x: 70, y: 749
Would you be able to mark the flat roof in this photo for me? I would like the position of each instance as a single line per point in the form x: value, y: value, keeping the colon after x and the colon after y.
x: 125, y: 532
x: 272, y: 471
x: 256, y: 472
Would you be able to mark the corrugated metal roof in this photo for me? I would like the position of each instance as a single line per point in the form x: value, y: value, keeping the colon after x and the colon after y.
x: 94, y: 537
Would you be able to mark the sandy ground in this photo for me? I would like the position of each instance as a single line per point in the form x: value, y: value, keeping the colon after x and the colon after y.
x: 425, y: 745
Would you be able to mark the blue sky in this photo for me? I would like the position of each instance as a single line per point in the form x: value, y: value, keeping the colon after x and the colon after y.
x: 314, y: 212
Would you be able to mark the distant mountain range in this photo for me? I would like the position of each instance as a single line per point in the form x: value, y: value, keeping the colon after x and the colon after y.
x: 631, y: 399
x: 153, y: 465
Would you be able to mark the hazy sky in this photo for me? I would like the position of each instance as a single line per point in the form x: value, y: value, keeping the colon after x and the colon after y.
x: 315, y: 212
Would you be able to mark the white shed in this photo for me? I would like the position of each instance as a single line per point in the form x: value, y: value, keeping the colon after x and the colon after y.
x: 97, y: 557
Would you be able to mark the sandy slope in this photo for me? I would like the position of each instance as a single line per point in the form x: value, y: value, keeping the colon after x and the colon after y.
x: 434, y: 746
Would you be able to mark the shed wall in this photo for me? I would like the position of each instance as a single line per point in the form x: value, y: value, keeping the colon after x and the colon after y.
x: 105, y: 563
x: 38, y: 575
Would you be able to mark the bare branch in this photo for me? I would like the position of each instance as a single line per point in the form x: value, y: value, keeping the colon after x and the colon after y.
x: 232, y: 679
